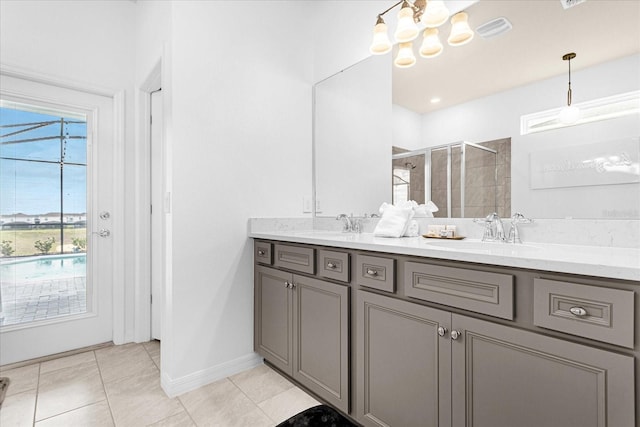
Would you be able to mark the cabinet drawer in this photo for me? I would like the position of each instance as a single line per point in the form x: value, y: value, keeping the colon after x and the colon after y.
x: 295, y: 258
x: 376, y: 272
x: 333, y: 265
x: 602, y: 314
x: 479, y: 291
x: 262, y: 253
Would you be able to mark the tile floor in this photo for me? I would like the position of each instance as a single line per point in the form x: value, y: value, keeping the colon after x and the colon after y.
x: 120, y: 386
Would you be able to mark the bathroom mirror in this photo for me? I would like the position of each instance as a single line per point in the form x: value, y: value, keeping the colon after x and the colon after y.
x: 485, y: 87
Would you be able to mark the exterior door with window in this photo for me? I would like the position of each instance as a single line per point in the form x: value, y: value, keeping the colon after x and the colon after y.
x: 56, y: 212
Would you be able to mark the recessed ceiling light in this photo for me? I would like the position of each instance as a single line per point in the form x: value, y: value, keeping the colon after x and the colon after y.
x: 435, y: 100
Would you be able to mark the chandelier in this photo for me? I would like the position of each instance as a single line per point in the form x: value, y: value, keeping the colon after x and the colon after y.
x: 431, y: 14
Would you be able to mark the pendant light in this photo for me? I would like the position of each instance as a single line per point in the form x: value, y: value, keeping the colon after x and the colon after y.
x: 381, y: 43
x: 407, y: 29
x: 569, y: 114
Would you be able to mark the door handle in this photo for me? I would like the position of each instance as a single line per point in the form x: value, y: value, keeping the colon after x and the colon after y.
x: 103, y: 233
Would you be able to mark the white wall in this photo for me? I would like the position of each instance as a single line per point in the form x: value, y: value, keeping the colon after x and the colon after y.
x: 352, y: 133
x: 241, y: 80
x: 342, y: 32
x: 407, y: 128
x: 498, y: 116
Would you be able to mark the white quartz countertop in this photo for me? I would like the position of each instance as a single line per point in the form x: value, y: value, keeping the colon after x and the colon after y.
x: 610, y: 262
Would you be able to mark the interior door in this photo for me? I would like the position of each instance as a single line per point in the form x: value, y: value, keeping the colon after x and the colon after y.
x: 54, y: 332
x: 156, y: 213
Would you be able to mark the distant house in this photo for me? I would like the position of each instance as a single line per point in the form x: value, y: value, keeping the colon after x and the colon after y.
x: 20, y: 221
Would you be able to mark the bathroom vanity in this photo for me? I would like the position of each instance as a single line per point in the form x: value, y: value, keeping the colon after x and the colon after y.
x: 408, y: 332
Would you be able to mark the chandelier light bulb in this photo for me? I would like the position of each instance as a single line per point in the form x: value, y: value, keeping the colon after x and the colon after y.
x: 381, y: 43
x: 435, y: 14
x: 407, y: 29
x: 431, y: 45
x: 461, y: 33
x: 405, y: 57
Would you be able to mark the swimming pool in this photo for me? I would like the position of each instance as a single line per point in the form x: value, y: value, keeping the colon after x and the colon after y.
x: 43, y: 268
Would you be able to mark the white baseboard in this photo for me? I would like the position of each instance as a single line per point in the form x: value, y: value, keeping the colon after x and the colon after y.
x: 178, y: 386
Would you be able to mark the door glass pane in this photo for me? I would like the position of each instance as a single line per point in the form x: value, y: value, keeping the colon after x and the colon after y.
x: 42, y: 213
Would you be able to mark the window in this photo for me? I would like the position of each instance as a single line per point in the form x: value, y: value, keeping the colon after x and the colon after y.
x: 599, y: 109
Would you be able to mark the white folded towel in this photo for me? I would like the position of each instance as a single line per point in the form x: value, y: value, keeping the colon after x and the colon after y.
x: 394, y: 221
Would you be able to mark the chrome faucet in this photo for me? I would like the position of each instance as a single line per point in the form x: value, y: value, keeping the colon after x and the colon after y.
x: 493, y: 228
x: 514, y: 235
x: 347, y: 225
x: 350, y: 224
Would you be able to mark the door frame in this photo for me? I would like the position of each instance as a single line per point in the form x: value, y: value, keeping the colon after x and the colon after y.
x: 117, y: 221
x: 152, y: 83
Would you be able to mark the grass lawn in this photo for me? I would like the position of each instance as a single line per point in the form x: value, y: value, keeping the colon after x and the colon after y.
x: 22, y: 241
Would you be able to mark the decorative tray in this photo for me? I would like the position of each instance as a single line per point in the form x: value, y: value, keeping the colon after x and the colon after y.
x: 429, y: 236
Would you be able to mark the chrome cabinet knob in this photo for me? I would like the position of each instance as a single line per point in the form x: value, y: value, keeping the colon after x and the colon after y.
x: 455, y: 334
x: 442, y: 331
x: 578, y: 311
x: 372, y: 272
x: 287, y: 284
x: 331, y: 265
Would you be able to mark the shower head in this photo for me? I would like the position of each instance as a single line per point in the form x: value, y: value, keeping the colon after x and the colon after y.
x: 410, y: 165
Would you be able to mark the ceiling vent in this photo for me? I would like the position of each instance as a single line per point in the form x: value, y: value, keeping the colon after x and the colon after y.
x: 570, y: 3
x: 494, y: 28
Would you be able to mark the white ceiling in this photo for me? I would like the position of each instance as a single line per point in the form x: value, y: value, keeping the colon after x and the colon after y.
x: 543, y: 31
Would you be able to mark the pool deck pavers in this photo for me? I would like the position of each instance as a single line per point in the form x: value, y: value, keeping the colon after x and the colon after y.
x: 42, y: 299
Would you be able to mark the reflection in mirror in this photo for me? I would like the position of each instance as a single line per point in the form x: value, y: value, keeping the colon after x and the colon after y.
x: 464, y: 180
x: 352, y: 135
x: 486, y: 87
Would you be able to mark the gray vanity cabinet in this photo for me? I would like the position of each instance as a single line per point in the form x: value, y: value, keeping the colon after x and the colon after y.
x: 302, y: 328
x: 273, y: 318
x: 403, y: 364
x: 410, y: 372
x: 503, y: 376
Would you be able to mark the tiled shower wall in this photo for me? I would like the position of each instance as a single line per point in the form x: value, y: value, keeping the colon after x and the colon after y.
x: 481, y: 198
x: 415, y: 165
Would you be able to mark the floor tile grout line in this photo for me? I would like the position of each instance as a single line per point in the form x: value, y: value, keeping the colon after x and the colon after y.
x: 35, y: 403
x: 71, y: 410
x: 104, y: 389
x: 253, y: 401
x: 186, y: 411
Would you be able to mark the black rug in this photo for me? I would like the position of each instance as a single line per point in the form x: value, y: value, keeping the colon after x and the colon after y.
x: 4, y: 385
x: 318, y: 416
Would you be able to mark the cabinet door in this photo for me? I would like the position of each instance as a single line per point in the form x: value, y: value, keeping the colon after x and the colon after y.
x: 403, y: 365
x: 503, y: 376
x: 273, y: 317
x: 321, y: 339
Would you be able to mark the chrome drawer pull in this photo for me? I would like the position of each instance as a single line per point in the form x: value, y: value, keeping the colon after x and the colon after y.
x: 371, y: 272
x: 331, y: 265
x: 578, y: 311
x: 261, y: 252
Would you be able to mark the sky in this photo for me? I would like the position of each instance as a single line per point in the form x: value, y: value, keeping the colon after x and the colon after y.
x: 34, y: 187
